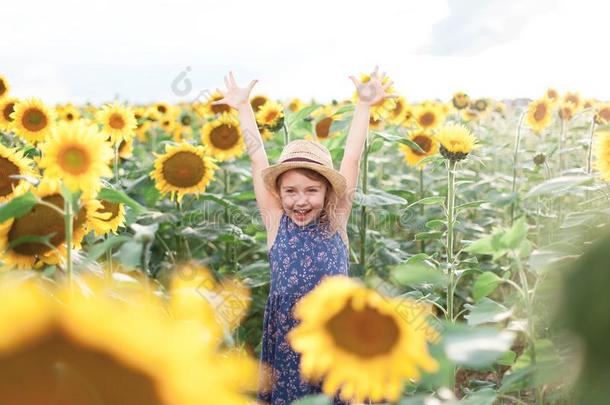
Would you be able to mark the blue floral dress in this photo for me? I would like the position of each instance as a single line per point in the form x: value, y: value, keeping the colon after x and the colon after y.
x: 300, y: 258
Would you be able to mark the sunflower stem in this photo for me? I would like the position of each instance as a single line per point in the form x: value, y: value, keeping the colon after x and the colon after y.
x: 286, y: 137
x: 590, y: 153
x: 68, y: 233
x: 116, y: 163
x: 515, y: 159
x: 422, y: 243
x: 560, y: 148
x: 363, y: 218
x: 226, y: 178
x: 450, y: 221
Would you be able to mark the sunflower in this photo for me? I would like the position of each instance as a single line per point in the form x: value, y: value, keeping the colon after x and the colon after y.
x: 118, y: 122
x: 7, y: 107
x: 358, y: 341
x: 552, y: 95
x: 77, y: 154
x: 322, y: 128
x: 105, y: 216
x: 382, y: 109
x: 480, y: 104
x: 266, y: 134
x: 425, y: 141
x: 470, y: 115
x: 4, y: 87
x: 163, y: 108
x: 295, y: 105
x: 539, y: 114
x: 399, y: 114
x: 62, y: 345
x: 602, y: 113
x: 126, y: 148
x: 40, y: 221
x: 428, y: 115
x: 229, y: 298
x: 182, y: 133
x: 589, y: 103
x: 142, y: 130
x: 223, y: 137
x: 460, y: 100
x: 602, y: 154
x: 168, y: 124
x: 566, y: 110
x: 500, y: 108
x: 208, y: 109
x: 573, y: 98
x: 32, y: 120
x: 456, y: 141
x: 13, y: 163
x: 68, y: 113
x: 257, y: 102
x: 376, y: 124
x: 271, y: 115
x: 183, y: 169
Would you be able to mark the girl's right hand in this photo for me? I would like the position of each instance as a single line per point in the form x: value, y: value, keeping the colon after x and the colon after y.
x: 235, y: 96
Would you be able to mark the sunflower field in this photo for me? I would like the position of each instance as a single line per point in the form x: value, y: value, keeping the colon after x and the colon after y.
x: 134, y: 264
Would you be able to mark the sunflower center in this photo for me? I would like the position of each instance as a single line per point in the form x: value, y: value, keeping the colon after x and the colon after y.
x: 34, y: 119
x: 69, y: 116
x: 219, y: 108
x: 7, y: 111
x: 398, y: 109
x: 40, y: 221
x: 605, y: 113
x: 116, y: 121
x: 224, y: 136
x: 427, y: 119
x: 2, y: 88
x: 423, y: 142
x: 366, y: 333
x: 186, y: 120
x: 184, y: 169
x: 74, y: 159
x: 323, y: 127
x: 257, y: 103
x: 271, y: 116
x: 7, y: 168
x: 162, y: 109
x: 61, y: 370
x: 111, y: 207
x: 540, y: 112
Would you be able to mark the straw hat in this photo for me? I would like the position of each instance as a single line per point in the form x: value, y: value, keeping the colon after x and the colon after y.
x: 312, y: 155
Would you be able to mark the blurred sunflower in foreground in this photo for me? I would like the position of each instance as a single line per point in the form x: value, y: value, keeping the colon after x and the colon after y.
x: 182, y: 169
x: 4, y: 87
x: 359, y: 341
x: 7, y: 106
x: 100, y: 344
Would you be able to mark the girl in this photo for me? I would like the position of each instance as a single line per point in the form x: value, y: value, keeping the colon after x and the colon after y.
x: 305, y: 205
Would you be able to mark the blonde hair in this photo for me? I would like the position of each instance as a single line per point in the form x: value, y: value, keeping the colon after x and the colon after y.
x: 331, y: 200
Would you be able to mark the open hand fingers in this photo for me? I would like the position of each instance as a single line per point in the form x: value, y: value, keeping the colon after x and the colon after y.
x: 227, y: 83
x: 232, y: 79
x: 385, y: 86
x: 376, y: 71
x: 353, y: 79
x: 252, y: 83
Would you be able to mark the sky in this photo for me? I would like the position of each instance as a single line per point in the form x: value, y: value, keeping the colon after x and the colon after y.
x: 178, y: 51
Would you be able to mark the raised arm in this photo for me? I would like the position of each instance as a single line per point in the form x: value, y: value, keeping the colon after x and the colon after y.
x: 239, y: 98
x: 369, y: 93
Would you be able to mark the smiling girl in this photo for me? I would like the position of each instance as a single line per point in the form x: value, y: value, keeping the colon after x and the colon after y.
x: 305, y: 205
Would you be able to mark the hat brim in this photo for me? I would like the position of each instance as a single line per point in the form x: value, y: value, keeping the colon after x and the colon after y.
x: 336, y: 179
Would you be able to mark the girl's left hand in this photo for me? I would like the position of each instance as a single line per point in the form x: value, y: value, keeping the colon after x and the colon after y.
x: 374, y: 91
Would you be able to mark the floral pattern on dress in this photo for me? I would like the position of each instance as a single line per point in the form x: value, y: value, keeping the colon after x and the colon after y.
x: 301, y: 256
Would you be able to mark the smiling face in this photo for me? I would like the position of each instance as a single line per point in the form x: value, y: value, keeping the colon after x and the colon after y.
x: 303, y: 194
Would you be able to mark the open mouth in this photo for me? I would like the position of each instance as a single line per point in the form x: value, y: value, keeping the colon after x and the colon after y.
x: 301, y: 214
